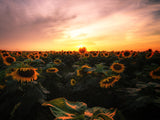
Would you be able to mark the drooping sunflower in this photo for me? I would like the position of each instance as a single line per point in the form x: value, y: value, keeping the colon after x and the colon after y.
x: 73, y: 82
x: 24, y: 74
x: 155, y: 74
x: 57, y: 61
x: 8, y: 60
x: 149, y: 55
x: 127, y: 54
x: 117, y: 67
x: 52, y: 70
x: 109, y: 81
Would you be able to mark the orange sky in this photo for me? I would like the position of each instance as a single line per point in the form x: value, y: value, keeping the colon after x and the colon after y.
x: 66, y: 25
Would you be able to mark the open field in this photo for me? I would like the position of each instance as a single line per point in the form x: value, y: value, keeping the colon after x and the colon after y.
x: 102, y: 85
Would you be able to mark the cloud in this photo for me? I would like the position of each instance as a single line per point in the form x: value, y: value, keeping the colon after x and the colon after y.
x: 74, y: 22
x: 30, y: 21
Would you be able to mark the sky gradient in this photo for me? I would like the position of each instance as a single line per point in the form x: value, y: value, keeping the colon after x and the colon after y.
x: 68, y: 24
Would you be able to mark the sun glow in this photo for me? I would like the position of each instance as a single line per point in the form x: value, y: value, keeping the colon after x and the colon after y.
x: 81, y: 46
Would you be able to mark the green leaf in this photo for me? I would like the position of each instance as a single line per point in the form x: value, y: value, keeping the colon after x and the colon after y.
x: 99, y: 113
x: 64, y: 109
x: 99, y: 67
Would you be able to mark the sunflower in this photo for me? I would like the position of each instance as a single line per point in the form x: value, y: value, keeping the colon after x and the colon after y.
x: 86, y: 55
x: 52, y: 70
x: 73, y: 82
x: 82, y: 50
x: 149, y: 55
x: 81, y: 71
x: 24, y: 74
x: 155, y: 74
x: 95, y: 54
x: 19, y: 53
x: 117, y: 67
x: 117, y: 53
x: 106, y: 54
x: 3, y: 51
x: 5, y: 54
x: 109, y: 81
x: 8, y: 60
x: 36, y: 56
x: 57, y: 61
x: 135, y: 54
x: 30, y: 56
x: 127, y: 54
x: 40, y: 52
x: 71, y: 52
x: 45, y: 55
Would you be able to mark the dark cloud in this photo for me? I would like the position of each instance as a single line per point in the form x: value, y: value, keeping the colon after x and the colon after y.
x: 154, y: 1
x: 18, y: 22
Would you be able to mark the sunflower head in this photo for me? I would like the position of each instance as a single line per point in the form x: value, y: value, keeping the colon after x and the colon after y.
x: 135, y: 54
x: 24, y: 74
x: 149, y: 55
x: 19, y: 53
x: 106, y: 54
x: 155, y: 74
x: 82, y: 50
x: 30, y: 56
x: 36, y: 56
x: 81, y: 71
x: 117, y: 67
x: 5, y: 54
x: 8, y: 60
x: 86, y: 55
x: 45, y: 55
x: 57, y: 61
x: 109, y: 81
x: 73, y: 82
x: 95, y: 54
x: 117, y: 53
x: 52, y: 70
x: 127, y: 54
x: 71, y: 52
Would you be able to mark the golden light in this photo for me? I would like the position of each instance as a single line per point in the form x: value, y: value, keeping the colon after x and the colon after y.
x: 81, y: 46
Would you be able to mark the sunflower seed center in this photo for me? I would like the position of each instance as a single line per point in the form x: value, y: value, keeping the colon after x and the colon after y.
x: 117, y: 67
x: 27, y: 73
x: 9, y: 59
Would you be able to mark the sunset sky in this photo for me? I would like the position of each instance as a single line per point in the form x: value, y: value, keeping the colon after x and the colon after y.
x: 68, y: 24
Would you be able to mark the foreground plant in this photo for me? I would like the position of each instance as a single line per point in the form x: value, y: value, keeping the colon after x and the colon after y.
x: 63, y: 109
x: 24, y: 74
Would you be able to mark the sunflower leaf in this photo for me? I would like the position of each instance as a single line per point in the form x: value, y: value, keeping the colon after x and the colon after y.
x: 64, y: 109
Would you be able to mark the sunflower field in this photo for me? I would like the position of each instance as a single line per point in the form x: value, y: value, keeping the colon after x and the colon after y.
x: 80, y: 85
